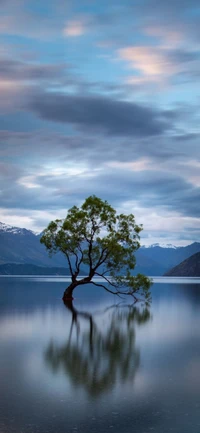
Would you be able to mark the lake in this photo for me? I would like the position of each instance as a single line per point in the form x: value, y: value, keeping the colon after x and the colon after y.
x: 99, y: 365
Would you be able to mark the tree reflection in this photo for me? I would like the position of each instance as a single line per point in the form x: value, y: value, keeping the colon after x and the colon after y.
x: 98, y: 356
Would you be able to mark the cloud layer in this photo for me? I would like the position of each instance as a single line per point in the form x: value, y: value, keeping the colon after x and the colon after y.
x: 101, y: 99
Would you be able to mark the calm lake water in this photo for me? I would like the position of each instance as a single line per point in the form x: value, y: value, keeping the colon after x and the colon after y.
x: 102, y: 365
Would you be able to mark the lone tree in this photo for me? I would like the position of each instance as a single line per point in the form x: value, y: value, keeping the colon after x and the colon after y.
x: 94, y: 235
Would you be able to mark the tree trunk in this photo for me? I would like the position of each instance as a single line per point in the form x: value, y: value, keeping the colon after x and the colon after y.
x: 68, y: 293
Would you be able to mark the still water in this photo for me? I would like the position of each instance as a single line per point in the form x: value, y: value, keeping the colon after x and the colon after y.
x: 98, y: 365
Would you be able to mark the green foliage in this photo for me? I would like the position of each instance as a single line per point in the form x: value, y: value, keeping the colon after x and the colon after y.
x: 96, y: 236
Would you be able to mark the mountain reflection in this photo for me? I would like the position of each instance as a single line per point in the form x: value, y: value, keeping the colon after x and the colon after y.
x: 98, y: 356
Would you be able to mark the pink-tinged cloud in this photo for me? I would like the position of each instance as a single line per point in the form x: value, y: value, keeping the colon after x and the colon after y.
x: 152, y: 63
x: 74, y: 28
x: 140, y: 165
x: 158, y: 65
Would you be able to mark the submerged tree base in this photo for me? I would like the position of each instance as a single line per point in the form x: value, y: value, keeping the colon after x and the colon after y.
x: 67, y: 299
x: 67, y: 295
x: 138, y: 290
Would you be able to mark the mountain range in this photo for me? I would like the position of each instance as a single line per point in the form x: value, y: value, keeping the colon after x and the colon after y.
x: 22, y: 246
x: 157, y: 260
x: 19, y: 245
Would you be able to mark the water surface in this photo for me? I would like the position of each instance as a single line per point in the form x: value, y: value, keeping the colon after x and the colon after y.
x: 101, y: 365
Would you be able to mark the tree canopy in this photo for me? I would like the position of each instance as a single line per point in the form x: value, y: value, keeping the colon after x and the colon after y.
x: 96, y: 236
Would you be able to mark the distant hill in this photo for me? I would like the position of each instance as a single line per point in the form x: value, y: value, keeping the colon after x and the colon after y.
x: 188, y: 268
x: 22, y: 246
x: 29, y: 269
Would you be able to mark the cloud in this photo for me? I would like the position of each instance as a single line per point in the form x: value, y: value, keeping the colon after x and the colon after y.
x: 39, y: 23
x: 167, y: 37
x: 172, y: 7
x: 158, y: 64
x: 156, y: 187
x: 56, y: 150
x: 178, y: 17
x: 31, y: 72
x: 140, y: 165
x: 51, y: 172
x: 11, y: 92
x: 126, y: 146
x: 74, y: 28
x: 148, y: 60
x: 18, y: 79
x: 99, y: 114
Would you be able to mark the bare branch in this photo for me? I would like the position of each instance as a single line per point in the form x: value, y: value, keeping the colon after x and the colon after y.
x: 101, y: 258
x: 90, y: 242
x: 105, y: 272
x: 76, y: 262
x: 118, y: 292
x: 106, y: 279
x: 80, y: 261
x: 106, y: 288
x: 69, y: 263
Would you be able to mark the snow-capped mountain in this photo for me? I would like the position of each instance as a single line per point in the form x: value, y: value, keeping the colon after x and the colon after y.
x: 19, y: 245
x: 160, y: 245
x: 14, y: 230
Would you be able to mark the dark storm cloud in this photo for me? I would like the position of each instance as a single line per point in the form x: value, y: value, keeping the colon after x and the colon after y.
x: 98, y: 113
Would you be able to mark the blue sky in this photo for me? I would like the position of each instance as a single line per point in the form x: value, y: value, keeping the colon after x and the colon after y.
x: 101, y: 98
